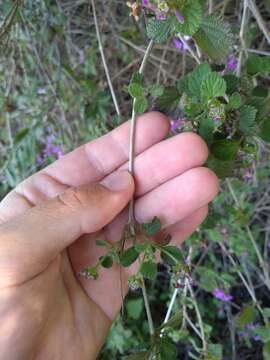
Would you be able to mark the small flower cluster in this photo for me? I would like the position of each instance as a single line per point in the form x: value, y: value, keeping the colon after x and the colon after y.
x: 51, y: 149
x: 220, y: 295
x: 249, y: 332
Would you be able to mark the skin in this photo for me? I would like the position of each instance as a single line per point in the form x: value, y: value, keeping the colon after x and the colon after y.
x: 49, y: 224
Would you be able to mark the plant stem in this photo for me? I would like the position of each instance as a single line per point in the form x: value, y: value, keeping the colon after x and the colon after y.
x: 242, y: 37
x: 262, y: 263
x: 101, y: 50
x: 148, y: 311
x: 132, y: 141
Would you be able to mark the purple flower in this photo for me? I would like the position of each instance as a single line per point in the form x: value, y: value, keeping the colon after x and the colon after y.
x: 177, y: 124
x: 248, y: 176
x: 178, y: 44
x: 179, y: 17
x: 145, y: 3
x: 220, y: 295
x: 232, y: 63
x: 50, y: 150
x: 81, y: 57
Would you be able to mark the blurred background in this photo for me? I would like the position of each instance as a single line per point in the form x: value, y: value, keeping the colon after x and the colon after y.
x: 54, y: 96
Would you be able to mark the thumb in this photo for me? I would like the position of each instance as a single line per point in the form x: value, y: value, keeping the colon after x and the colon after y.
x: 31, y: 241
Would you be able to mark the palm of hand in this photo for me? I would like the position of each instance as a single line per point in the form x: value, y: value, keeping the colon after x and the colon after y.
x: 64, y: 315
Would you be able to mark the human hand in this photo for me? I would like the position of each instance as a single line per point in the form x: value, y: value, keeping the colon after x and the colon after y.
x: 49, y: 224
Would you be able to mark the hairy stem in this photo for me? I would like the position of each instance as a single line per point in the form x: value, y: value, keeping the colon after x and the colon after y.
x: 148, y: 311
x: 101, y: 50
x: 132, y: 140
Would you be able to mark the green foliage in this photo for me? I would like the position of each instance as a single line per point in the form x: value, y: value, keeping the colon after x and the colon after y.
x: 148, y: 270
x: 212, y: 86
x: 134, y: 308
x: 140, y: 105
x: 136, y: 90
x: 265, y: 130
x: 192, y: 14
x: 225, y: 149
x: 247, y: 119
x: 171, y: 254
x: 213, y: 37
x: 258, y: 65
x: 129, y: 256
x: 159, y: 31
x: 151, y: 228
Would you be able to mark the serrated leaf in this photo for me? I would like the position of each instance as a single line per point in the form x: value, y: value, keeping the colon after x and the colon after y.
x: 258, y: 65
x: 173, y: 322
x: 148, y: 270
x: 193, y: 81
x: 140, y: 105
x: 235, y: 101
x: 136, y: 90
x: 151, y: 228
x: 225, y: 149
x: 213, y: 37
x: 156, y: 90
x: 129, y: 256
x: 192, y: 15
x: 171, y: 254
x: 247, y: 119
x: 213, y: 86
x: 260, y: 91
x: 265, y: 130
x: 106, y: 261
x: 159, y: 30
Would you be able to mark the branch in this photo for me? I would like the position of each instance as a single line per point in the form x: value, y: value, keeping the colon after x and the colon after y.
x: 104, y: 60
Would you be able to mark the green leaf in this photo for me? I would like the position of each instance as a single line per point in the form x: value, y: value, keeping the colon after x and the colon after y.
x: 246, y: 316
x: 213, y: 37
x: 260, y: 91
x: 159, y: 30
x: 192, y: 84
x: 171, y: 254
x: 266, y: 351
x: 173, y: 322
x: 21, y: 135
x: 225, y: 149
x: 265, y: 130
x: 136, y: 90
x: 232, y: 83
x: 213, y: 86
x: 168, y: 350
x: 247, y: 119
x: 235, y: 101
x: 151, y: 228
x: 206, y: 130
x: 169, y: 99
x: 134, y: 308
x: 221, y: 168
x: 192, y: 13
x: 106, y: 261
x: 258, y: 65
x: 140, y: 105
x: 129, y: 256
x: 101, y: 243
x: 156, y: 90
x: 148, y: 270
x: 137, y: 78
x: 208, y: 278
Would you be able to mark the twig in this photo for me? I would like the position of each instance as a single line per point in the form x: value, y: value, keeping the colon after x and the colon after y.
x: 104, y: 60
x: 192, y: 53
x: 260, y: 52
x: 257, y: 15
x: 242, y: 37
x: 198, y: 314
x: 210, y: 9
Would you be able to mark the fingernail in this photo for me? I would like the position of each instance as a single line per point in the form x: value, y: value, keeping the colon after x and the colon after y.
x: 118, y: 181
